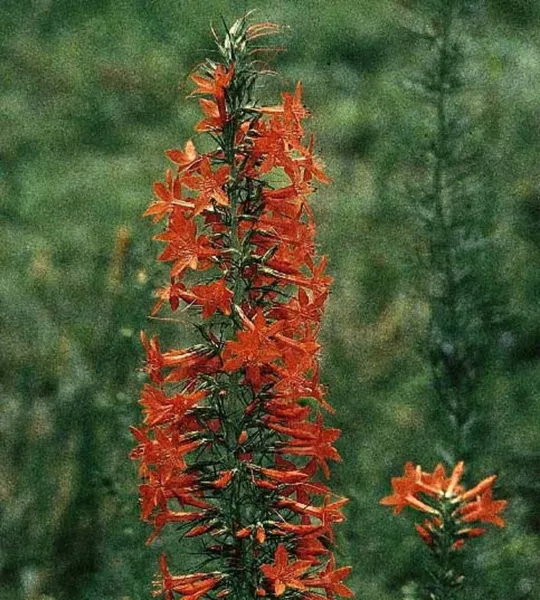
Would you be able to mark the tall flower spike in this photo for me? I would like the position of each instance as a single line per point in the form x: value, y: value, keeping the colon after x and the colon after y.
x: 229, y: 451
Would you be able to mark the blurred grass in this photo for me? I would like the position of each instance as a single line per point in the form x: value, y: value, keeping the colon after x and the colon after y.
x: 89, y: 102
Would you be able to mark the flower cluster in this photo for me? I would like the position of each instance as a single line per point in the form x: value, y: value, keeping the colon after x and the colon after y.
x: 233, y: 438
x: 454, y: 510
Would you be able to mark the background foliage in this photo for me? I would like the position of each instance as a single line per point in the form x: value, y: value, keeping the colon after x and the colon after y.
x: 89, y: 102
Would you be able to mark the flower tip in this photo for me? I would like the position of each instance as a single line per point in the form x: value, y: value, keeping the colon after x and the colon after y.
x: 258, y: 30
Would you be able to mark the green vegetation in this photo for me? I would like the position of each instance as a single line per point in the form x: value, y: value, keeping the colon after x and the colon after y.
x: 93, y: 94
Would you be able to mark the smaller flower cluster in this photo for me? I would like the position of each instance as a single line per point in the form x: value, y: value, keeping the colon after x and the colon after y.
x: 454, y: 510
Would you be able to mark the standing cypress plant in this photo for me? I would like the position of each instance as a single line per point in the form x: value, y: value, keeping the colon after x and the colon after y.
x: 453, y: 208
x: 233, y: 436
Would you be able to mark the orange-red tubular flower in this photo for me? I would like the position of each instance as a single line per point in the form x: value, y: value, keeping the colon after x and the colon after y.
x: 229, y: 451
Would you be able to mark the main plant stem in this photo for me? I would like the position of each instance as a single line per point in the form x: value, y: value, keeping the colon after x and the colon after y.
x: 446, y: 580
x: 241, y: 558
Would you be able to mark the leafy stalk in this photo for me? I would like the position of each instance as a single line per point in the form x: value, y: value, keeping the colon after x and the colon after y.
x: 455, y: 217
x: 227, y: 435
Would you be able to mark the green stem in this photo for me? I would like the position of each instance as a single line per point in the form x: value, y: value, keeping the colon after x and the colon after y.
x: 446, y: 579
x: 243, y: 583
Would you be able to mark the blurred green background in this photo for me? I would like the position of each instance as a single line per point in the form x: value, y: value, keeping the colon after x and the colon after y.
x: 93, y: 93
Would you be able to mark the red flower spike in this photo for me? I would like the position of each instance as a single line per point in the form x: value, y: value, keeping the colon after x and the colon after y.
x: 440, y: 495
x: 232, y: 421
